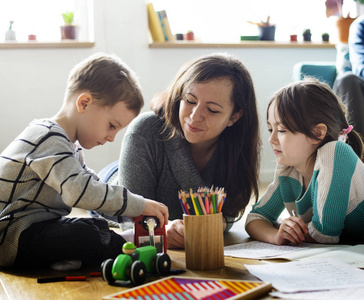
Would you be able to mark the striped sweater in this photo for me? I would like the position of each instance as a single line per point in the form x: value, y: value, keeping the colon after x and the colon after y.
x: 42, y: 176
x: 333, y: 203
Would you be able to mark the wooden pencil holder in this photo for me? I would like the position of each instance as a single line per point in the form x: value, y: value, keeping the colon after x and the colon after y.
x: 204, y: 241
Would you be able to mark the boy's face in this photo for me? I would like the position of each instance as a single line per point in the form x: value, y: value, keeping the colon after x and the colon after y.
x: 100, y: 124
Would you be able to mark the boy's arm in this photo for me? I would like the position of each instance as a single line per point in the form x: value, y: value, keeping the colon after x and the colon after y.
x: 55, y: 164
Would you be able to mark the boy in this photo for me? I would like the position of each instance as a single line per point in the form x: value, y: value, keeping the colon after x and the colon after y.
x: 43, y: 174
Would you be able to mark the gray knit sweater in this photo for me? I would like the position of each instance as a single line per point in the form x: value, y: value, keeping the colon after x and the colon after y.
x: 157, y: 168
x: 42, y: 176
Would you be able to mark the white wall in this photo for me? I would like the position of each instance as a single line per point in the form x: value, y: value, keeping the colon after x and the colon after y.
x: 32, y: 81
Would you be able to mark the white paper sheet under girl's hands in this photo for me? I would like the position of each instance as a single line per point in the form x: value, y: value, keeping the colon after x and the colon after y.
x: 261, y: 250
x: 309, y: 275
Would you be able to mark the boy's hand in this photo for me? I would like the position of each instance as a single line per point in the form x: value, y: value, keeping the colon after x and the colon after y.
x: 154, y: 208
x: 175, y: 234
x: 292, y: 229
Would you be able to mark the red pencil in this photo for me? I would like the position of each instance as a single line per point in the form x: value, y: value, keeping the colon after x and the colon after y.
x: 62, y: 278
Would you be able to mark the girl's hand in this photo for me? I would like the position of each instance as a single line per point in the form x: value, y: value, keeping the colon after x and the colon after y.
x: 157, y: 209
x: 292, y: 230
x: 175, y: 234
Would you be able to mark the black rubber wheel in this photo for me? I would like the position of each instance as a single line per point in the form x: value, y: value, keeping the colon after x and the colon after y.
x: 106, y: 270
x: 163, y: 264
x: 138, y: 272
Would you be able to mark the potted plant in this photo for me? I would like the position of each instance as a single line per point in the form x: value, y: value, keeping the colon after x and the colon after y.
x: 293, y: 37
x: 325, y: 37
x: 68, y: 30
x: 335, y: 8
x: 190, y: 36
x: 307, y: 35
x: 266, y: 30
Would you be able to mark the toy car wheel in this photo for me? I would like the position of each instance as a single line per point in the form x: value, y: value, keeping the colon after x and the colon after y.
x: 138, y: 272
x: 163, y: 264
x: 106, y: 270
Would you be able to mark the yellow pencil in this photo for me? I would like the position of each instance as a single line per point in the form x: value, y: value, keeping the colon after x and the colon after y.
x: 194, y: 203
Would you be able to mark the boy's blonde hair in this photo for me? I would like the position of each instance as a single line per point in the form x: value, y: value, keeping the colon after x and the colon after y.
x: 108, y: 79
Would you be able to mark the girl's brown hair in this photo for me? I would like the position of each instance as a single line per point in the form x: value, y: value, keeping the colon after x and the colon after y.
x: 304, y: 104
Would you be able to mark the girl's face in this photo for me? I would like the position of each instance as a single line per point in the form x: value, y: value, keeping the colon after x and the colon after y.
x: 291, y: 149
x: 206, y: 110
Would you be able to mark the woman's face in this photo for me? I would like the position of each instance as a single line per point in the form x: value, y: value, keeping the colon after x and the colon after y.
x: 206, y: 110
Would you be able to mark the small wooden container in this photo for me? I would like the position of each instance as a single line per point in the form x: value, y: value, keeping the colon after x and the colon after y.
x: 204, y: 241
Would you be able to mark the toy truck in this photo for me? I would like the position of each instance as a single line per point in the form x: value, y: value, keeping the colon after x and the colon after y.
x: 135, y: 264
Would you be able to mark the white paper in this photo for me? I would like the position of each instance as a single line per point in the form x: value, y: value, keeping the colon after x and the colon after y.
x: 128, y: 235
x: 353, y: 255
x: 338, y: 294
x: 309, y: 275
x: 261, y: 250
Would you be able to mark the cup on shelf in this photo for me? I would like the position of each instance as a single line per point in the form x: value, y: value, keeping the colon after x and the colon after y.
x: 267, y: 33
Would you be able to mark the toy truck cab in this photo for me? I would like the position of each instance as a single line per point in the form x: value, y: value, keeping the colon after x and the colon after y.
x: 135, y: 266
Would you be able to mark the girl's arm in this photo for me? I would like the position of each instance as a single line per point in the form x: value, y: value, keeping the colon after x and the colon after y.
x: 261, y: 222
x: 292, y: 230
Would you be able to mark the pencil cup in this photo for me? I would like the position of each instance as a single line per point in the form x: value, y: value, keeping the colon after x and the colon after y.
x: 204, y: 241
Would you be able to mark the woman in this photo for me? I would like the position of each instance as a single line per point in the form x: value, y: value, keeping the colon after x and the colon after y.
x: 203, y: 131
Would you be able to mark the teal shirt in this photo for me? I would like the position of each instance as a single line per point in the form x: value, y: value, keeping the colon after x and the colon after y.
x: 333, y: 203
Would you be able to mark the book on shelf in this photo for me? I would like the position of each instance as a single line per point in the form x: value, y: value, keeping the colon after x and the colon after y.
x: 162, y: 25
x: 154, y: 24
x: 168, y: 35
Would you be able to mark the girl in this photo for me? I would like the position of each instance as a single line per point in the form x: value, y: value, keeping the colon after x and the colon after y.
x: 203, y: 131
x: 320, y: 175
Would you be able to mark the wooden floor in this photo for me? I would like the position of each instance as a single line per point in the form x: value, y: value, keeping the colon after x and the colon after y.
x: 22, y: 284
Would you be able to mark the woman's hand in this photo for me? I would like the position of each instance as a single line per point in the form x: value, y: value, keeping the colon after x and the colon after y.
x: 292, y: 230
x: 175, y: 231
x: 157, y: 209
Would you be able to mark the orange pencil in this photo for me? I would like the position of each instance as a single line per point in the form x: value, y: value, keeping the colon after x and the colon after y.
x: 220, y: 206
x: 223, y: 197
x: 201, y: 203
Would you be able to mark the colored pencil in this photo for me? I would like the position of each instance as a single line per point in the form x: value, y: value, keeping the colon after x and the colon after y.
x: 203, y: 201
x: 202, y: 205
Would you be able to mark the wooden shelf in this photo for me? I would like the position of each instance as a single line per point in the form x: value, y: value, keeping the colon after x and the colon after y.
x: 36, y: 44
x: 243, y: 44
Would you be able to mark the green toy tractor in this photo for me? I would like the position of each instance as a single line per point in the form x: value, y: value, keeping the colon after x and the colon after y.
x: 135, y: 264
